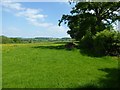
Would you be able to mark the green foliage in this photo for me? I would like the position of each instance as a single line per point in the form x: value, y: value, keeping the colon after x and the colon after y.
x: 70, y: 46
x: 107, y: 42
x: 87, y: 42
x: 93, y: 16
x: 87, y: 21
x: 16, y: 40
x: 4, y: 40
x: 103, y: 43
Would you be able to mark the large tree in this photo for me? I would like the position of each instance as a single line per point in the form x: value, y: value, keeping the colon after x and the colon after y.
x: 91, y: 17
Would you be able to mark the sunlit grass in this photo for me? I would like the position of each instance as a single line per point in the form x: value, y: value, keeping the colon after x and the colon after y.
x: 39, y: 66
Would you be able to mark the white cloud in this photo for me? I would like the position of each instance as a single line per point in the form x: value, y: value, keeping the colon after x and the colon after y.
x: 34, y: 17
x: 12, y: 5
x: 31, y: 13
x: 39, y: 24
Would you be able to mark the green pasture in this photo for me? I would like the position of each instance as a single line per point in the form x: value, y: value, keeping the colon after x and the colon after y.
x: 49, y: 65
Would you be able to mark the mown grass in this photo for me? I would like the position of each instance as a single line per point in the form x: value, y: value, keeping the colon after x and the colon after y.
x: 45, y: 65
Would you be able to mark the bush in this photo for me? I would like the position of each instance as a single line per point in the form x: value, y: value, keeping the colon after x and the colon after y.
x: 70, y: 46
x: 87, y: 42
x: 16, y: 40
x: 107, y: 43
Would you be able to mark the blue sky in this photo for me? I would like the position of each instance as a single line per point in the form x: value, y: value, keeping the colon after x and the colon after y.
x: 34, y: 19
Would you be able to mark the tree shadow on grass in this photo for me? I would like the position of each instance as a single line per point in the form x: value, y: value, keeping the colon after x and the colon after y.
x: 83, y: 51
x: 50, y: 47
x: 110, y: 81
x: 89, y: 52
x: 112, y: 78
x: 58, y: 47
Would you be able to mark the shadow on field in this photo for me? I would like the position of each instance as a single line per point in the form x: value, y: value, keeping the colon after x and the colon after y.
x: 58, y: 47
x: 67, y: 46
x: 51, y: 47
x: 89, y: 52
x: 111, y: 80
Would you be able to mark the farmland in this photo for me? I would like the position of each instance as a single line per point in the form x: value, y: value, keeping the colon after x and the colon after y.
x: 48, y: 65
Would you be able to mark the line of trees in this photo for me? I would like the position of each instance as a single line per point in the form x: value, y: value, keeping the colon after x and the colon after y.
x: 5, y: 40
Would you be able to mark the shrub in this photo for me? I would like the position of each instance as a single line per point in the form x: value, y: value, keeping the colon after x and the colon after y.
x: 70, y: 46
x: 87, y: 42
x: 107, y: 43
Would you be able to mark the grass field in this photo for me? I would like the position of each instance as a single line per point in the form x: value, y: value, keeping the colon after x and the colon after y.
x: 45, y: 65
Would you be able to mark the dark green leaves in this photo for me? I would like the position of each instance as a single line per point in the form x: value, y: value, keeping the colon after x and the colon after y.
x: 92, y: 16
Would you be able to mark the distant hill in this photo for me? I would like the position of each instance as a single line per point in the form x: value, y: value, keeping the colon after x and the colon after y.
x: 4, y: 39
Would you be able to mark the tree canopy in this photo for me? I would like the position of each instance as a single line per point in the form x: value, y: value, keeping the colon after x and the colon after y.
x: 91, y: 17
